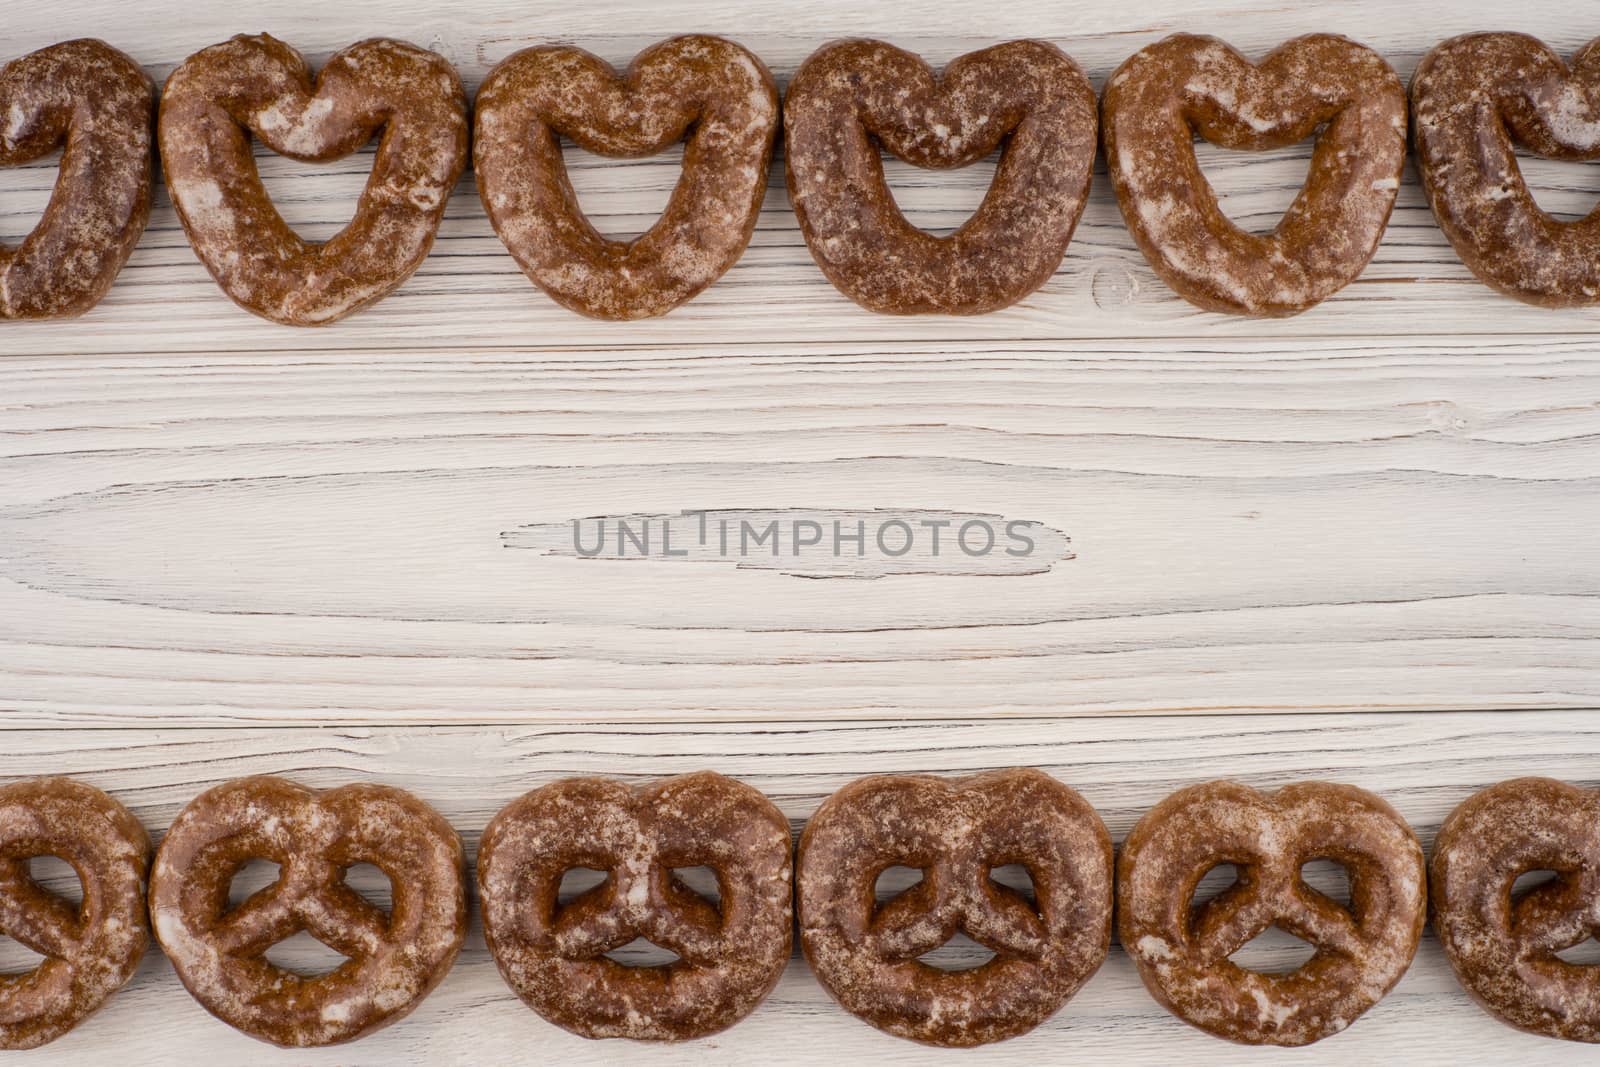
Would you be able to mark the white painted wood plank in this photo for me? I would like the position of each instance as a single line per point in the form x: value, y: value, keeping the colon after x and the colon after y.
x: 469, y: 291
x: 1423, y: 764
x: 333, y: 536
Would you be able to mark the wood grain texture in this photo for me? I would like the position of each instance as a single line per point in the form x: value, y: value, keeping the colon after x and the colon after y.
x: 1423, y: 764
x: 323, y: 535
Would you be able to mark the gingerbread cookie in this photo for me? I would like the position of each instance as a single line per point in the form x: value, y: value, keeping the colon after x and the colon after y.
x: 1026, y: 98
x: 956, y: 831
x: 259, y: 86
x: 1476, y: 98
x: 394, y: 960
x: 1322, y: 85
x: 1502, y: 946
x: 90, y: 950
x: 708, y: 92
x: 553, y: 954
x: 1182, y: 949
x: 95, y: 104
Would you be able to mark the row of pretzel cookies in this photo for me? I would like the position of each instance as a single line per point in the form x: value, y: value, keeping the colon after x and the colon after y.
x: 1473, y: 100
x: 732, y: 947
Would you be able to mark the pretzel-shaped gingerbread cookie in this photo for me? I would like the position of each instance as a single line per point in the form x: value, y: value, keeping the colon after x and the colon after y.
x: 707, y: 89
x: 553, y: 954
x: 95, y: 104
x: 956, y: 831
x: 393, y: 960
x: 258, y: 85
x: 1162, y: 96
x: 1182, y: 949
x: 1503, y: 948
x: 90, y: 950
x: 1026, y: 96
x: 1477, y: 96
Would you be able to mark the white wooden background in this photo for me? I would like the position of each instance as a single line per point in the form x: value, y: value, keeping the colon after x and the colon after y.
x: 232, y: 547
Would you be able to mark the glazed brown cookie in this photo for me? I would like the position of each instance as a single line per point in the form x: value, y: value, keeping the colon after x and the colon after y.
x: 1025, y: 97
x: 1503, y: 947
x: 394, y: 960
x: 222, y: 95
x: 95, y: 104
x: 956, y: 831
x: 1182, y: 949
x: 707, y: 91
x: 90, y: 951
x: 1163, y: 96
x: 553, y: 954
x: 1478, y: 96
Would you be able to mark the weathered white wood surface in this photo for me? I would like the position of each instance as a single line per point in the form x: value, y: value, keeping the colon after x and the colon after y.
x: 210, y: 521
x: 1423, y: 764
x: 1255, y: 526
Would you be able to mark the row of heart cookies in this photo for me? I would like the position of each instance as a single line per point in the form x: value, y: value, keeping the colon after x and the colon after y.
x: 1474, y: 99
x: 1047, y: 938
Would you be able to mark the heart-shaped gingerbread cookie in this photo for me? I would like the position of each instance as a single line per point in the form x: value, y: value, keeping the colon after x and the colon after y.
x: 1160, y: 98
x: 1475, y: 98
x: 851, y: 96
x: 222, y: 94
x: 95, y: 104
x: 705, y: 89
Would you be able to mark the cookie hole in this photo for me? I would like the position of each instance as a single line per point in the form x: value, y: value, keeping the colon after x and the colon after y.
x: 939, y: 201
x: 622, y: 198
x: 960, y: 953
x: 1329, y: 878
x: 576, y: 881
x: 642, y: 952
x: 56, y: 875
x: 892, y: 882
x: 1528, y: 881
x: 25, y: 191
x: 251, y: 879
x: 17, y: 958
x: 369, y: 881
x: 317, y: 200
x: 305, y: 956
x: 1564, y: 189
x: 1273, y: 951
x: 1254, y: 189
x: 1585, y: 953
x: 702, y: 882
x: 1015, y: 877
x: 1215, y: 882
